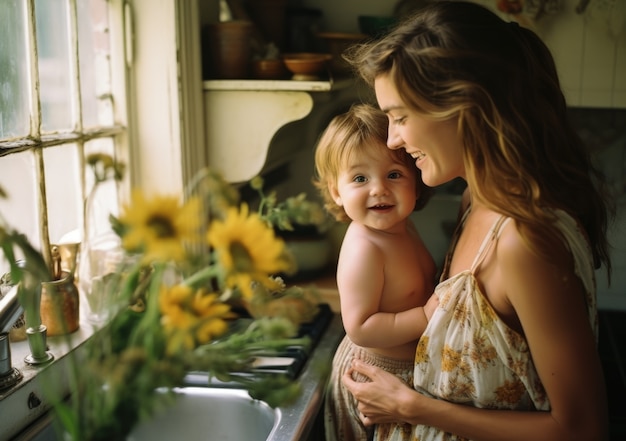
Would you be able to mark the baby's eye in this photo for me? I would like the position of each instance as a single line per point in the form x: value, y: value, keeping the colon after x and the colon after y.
x: 394, y: 175
x: 359, y: 178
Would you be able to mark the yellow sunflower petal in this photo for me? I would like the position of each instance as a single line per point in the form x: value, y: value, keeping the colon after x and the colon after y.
x: 160, y: 226
x: 247, y: 248
x: 211, y: 329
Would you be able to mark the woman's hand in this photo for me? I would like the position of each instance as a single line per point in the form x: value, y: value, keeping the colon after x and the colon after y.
x: 380, y: 399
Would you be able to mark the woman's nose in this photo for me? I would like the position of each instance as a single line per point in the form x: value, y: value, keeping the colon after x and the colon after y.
x: 394, y: 141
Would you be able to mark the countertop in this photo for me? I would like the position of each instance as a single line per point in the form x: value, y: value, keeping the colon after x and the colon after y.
x: 326, y: 287
x: 297, y: 420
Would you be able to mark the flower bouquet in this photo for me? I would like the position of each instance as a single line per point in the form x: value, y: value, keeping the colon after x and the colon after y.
x: 191, y: 267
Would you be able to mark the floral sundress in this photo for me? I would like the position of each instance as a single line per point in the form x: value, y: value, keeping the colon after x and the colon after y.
x: 468, y: 355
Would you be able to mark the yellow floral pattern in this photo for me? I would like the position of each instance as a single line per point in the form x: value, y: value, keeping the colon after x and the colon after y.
x: 468, y: 355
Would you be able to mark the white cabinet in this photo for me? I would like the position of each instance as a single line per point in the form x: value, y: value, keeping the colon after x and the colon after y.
x: 254, y: 126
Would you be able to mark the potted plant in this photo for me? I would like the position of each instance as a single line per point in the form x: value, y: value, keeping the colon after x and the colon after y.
x: 304, y: 226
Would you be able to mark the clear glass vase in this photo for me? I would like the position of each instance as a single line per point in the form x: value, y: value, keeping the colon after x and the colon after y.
x: 100, y: 254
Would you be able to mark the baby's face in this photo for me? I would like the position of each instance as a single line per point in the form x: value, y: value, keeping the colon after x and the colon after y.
x: 376, y: 189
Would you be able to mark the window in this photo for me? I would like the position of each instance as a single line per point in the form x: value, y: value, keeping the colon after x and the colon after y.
x: 62, y: 97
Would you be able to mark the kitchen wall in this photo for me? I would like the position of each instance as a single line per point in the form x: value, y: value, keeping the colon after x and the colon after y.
x: 604, y: 131
x: 342, y: 16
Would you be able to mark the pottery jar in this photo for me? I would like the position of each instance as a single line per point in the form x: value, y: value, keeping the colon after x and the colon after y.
x: 59, y: 305
x: 229, y: 49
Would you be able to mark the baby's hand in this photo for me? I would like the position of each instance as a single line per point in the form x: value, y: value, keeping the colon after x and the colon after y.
x: 430, y: 306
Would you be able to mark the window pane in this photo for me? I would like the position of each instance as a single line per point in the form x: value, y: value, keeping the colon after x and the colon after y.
x: 95, y: 67
x: 19, y: 210
x: 63, y: 192
x: 14, y: 77
x: 55, y: 73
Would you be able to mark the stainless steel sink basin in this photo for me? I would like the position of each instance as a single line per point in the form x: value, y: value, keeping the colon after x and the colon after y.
x: 199, y: 414
x: 205, y: 414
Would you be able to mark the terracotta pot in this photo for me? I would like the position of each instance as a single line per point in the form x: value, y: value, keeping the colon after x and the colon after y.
x: 229, y: 46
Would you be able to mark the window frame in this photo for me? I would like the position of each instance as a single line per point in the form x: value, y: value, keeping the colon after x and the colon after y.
x: 157, y: 88
x: 36, y: 141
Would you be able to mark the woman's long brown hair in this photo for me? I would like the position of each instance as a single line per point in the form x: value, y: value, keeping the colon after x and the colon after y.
x: 522, y: 154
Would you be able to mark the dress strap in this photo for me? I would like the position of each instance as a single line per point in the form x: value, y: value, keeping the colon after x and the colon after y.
x: 489, y: 239
x: 452, y: 246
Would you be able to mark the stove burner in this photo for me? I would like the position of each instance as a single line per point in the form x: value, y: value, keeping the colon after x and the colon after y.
x: 289, y: 362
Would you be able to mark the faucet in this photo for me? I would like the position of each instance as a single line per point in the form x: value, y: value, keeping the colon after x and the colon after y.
x: 29, y: 290
x: 10, y: 310
x: 24, y: 297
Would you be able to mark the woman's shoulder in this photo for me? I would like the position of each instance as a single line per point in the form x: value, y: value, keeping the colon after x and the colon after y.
x: 518, y: 252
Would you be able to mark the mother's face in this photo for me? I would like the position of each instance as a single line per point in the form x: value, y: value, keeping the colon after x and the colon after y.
x: 435, y: 145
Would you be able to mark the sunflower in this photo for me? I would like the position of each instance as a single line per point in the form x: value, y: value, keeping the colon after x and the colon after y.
x: 191, y: 316
x: 160, y: 227
x: 248, y: 250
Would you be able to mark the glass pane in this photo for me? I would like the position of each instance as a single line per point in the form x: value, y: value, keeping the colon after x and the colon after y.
x: 55, y: 73
x: 19, y: 210
x: 63, y: 193
x: 95, y: 67
x: 14, y: 76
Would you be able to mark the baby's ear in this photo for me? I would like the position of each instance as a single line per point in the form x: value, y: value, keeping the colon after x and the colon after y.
x: 334, y: 193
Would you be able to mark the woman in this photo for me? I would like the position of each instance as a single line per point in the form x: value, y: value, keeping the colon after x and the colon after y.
x: 510, y: 353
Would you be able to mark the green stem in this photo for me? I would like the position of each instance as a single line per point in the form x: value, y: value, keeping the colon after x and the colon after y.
x: 202, y: 276
x: 144, y: 335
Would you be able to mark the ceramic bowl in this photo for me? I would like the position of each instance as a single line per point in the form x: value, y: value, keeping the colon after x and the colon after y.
x: 269, y: 69
x: 306, y: 65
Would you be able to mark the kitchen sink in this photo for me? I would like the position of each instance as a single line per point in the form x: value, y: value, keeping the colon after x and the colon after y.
x: 199, y: 413
x: 205, y: 410
x: 205, y: 413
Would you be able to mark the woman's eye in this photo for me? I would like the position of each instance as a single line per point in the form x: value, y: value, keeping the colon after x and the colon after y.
x: 398, y: 121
